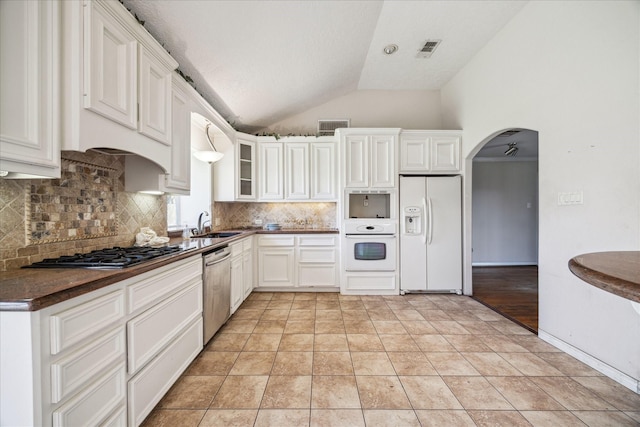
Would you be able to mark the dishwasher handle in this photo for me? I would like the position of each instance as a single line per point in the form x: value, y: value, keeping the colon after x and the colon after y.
x: 217, y: 261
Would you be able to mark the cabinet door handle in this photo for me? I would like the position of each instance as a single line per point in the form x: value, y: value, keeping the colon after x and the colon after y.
x: 424, y: 220
x: 430, y: 221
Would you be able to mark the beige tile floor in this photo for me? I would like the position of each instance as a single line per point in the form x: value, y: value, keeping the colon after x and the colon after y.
x: 305, y: 359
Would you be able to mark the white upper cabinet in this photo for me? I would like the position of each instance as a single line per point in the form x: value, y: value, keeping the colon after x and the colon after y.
x: 246, y: 169
x: 154, y: 97
x: 29, y: 81
x: 234, y: 176
x: 110, y: 67
x: 113, y: 67
x: 369, y: 157
x: 430, y: 152
x: 383, y: 167
x: 141, y: 174
x: 180, y: 176
x: 445, y: 153
x: 356, y: 161
x: 323, y: 170
x: 270, y: 158
x: 297, y: 170
x: 125, y: 80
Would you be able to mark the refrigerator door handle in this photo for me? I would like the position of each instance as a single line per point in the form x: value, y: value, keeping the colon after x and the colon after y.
x: 430, y: 222
x: 424, y: 220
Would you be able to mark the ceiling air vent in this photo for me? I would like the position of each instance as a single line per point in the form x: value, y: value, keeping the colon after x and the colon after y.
x: 428, y: 48
x: 328, y: 127
x: 509, y: 133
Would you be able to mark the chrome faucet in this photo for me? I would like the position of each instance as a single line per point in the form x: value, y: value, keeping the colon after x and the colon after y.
x: 200, y: 230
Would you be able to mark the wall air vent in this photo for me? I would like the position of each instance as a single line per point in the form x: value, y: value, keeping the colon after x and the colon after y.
x: 427, y: 49
x: 328, y: 127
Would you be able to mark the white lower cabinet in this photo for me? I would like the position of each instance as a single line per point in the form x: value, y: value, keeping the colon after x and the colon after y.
x: 71, y: 372
x: 297, y: 261
x: 147, y: 387
x: 247, y: 266
x: 241, y: 271
x: 92, y: 406
x: 316, y: 260
x: 275, y: 267
x: 106, y: 357
x: 237, y: 282
x: 151, y: 331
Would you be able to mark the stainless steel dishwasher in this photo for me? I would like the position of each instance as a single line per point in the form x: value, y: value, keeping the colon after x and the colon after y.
x: 217, y: 290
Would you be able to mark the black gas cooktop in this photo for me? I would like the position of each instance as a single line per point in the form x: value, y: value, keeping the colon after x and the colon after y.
x: 108, y: 258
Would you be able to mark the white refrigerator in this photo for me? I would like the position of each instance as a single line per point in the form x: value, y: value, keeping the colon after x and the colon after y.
x: 430, y: 234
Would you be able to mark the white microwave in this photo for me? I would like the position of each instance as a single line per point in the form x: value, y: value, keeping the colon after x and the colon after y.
x: 370, y: 204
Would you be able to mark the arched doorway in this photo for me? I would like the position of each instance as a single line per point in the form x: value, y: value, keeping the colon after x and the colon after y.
x: 505, y: 225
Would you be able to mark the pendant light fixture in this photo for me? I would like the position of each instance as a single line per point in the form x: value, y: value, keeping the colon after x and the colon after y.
x: 209, y: 156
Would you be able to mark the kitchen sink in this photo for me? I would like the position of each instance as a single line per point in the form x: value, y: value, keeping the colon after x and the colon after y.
x: 220, y: 235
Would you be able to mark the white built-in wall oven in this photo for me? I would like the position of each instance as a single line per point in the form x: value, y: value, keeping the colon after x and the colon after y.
x: 370, y: 245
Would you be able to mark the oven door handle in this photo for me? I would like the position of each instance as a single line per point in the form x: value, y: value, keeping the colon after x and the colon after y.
x: 370, y: 236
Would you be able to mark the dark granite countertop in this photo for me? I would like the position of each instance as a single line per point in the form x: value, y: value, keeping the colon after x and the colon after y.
x: 33, y: 289
x: 615, y: 272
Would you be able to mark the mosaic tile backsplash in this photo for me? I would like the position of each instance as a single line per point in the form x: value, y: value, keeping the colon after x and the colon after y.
x: 288, y: 215
x: 86, y: 209
x: 81, y: 204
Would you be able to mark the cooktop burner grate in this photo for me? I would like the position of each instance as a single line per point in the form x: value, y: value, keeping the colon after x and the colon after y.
x: 107, y: 258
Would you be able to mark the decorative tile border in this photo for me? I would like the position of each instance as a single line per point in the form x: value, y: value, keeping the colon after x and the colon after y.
x: 82, y: 204
x: 234, y: 215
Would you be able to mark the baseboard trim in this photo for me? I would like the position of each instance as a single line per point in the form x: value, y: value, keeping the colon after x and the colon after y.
x: 318, y: 289
x: 597, y: 364
x: 503, y: 264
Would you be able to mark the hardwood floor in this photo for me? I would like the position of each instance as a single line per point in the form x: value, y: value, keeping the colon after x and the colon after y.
x: 511, y: 291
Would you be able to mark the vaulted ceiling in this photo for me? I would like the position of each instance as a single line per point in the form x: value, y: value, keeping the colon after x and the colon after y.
x: 258, y: 62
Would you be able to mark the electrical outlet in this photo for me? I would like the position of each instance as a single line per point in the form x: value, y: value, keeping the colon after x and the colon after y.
x: 257, y: 221
x: 570, y: 198
x: 217, y: 222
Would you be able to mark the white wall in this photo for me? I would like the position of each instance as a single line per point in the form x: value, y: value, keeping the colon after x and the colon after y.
x: 505, y: 213
x: 419, y: 109
x: 569, y: 70
x: 199, y: 199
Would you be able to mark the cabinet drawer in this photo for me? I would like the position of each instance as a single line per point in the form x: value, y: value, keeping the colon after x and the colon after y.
x: 118, y: 419
x: 84, y: 320
x: 370, y: 283
x: 282, y: 240
x: 147, y: 388
x: 92, y: 406
x: 247, y: 244
x: 160, y: 283
x: 317, y: 240
x: 80, y: 367
x: 148, y: 333
x: 235, y: 248
x: 316, y: 255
